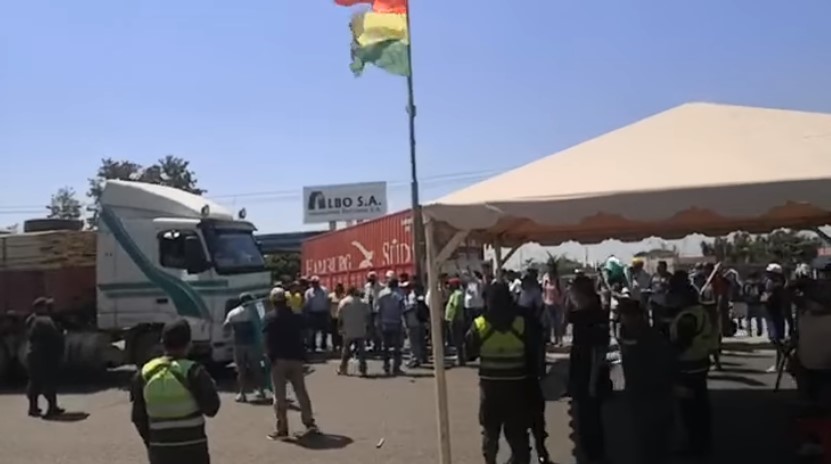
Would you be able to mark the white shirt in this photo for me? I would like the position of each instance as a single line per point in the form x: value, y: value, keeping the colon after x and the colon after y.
x: 473, y: 294
x: 641, y: 280
x: 354, y: 317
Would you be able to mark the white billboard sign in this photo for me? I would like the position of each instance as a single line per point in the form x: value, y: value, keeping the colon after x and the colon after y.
x: 344, y: 202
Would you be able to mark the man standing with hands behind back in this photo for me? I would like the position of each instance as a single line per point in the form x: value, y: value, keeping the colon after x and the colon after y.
x: 46, y: 346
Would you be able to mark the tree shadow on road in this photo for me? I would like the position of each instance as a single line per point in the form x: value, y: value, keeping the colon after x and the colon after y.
x: 740, y: 379
x: 749, y: 424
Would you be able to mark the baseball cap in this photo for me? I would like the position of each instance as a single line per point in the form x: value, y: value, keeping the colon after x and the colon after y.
x: 277, y: 294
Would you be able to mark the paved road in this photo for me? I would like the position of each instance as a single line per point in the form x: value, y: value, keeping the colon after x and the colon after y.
x: 357, y: 413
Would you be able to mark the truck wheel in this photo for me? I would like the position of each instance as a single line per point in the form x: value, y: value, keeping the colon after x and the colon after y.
x: 146, y: 346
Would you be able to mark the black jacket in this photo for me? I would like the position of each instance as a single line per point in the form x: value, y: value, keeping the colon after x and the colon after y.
x: 46, y: 340
x: 284, y: 332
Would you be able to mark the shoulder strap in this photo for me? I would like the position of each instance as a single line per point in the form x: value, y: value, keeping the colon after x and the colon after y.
x: 518, y: 328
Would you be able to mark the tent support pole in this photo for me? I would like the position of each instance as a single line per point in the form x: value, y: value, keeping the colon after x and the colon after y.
x: 435, y: 258
x: 497, y: 259
x: 509, y: 254
x: 825, y: 237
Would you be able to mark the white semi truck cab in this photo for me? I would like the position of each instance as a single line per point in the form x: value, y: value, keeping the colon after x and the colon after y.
x: 162, y: 254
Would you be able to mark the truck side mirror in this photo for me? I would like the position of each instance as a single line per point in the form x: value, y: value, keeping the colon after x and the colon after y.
x: 195, y: 259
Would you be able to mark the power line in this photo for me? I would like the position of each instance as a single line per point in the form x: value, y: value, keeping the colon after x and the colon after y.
x: 394, y: 184
x: 272, y: 195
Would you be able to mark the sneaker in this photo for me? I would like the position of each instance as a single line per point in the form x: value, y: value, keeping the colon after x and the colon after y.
x: 772, y: 370
x: 278, y: 435
x: 260, y: 396
x: 34, y: 413
x: 397, y: 371
x: 241, y: 398
x: 312, y: 430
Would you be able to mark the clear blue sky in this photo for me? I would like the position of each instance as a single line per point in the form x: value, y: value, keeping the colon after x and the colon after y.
x: 258, y: 94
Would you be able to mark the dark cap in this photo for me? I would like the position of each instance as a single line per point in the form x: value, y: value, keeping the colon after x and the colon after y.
x: 176, y: 334
x: 245, y: 297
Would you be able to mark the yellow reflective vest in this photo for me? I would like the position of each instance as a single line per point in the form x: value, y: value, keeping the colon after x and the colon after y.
x: 501, y: 354
x: 696, y: 358
x: 175, y: 416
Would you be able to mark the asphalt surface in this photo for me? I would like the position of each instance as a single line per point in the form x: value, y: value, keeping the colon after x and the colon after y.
x: 356, y: 414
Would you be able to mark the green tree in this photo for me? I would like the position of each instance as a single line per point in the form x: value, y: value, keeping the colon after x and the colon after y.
x: 787, y: 247
x: 171, y: 171
x: 563, y: 264
x: 64, y: 205
x: 284, y: 267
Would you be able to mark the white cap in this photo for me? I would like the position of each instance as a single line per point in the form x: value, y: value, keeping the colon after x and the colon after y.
x: 277, y: 294
x: 774, y: 267
x: 391, y: 275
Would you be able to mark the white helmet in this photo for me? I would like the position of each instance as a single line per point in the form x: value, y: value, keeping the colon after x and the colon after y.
x: 774, y: 268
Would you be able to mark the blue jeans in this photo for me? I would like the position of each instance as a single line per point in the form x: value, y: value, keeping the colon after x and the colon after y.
x: 554, y: 314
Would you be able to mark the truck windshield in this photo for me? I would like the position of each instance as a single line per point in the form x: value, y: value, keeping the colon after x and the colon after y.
x: 234, y: 251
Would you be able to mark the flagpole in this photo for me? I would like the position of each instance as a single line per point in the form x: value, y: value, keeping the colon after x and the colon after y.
x: 418, y: 222
x: 419, y: 262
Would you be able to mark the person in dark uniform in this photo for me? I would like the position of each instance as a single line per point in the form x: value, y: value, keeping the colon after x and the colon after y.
x: 648, y: 369
x: 692, y: 335
x: 589, y: 380
x: 507, y: 359
x: 171, y: 396
x: 44, y: 356
x: 530, y: 307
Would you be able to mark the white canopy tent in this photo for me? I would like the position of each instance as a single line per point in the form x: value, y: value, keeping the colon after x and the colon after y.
x: 697, y: 168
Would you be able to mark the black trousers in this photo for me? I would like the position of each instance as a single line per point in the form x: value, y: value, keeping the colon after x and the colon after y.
x: 42, y: 381
x: 588, y: 413
x: 652, y: 420
x: 457, y: 336
x: 696, y: 413
x: 191, y: 454
x: 504, y: 407
x: 319, y: 323
x: 537, y: 416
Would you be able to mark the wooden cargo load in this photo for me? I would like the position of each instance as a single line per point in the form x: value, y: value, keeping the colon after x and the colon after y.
x: 56, y: 264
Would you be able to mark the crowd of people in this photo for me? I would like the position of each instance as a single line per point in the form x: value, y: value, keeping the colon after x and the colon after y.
x: 668, y: 325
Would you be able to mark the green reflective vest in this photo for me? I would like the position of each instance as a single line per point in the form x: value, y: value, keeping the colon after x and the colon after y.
x: 501, y: 354
x: 696, y: 358
x: 175, y: 416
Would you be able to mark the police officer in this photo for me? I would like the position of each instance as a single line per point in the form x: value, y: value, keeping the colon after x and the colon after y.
x: 691, y: 332
x: 531, y: 307
x: 171, y: 395
x: 507, y: 359
x: 648, y: 367
x: 46, y: 347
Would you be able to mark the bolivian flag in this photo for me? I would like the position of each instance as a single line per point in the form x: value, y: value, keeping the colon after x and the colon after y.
x: 380, y: 37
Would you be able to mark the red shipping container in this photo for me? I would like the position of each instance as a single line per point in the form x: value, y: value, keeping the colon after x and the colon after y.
x: 384, y: 244
x: 347, y: 255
